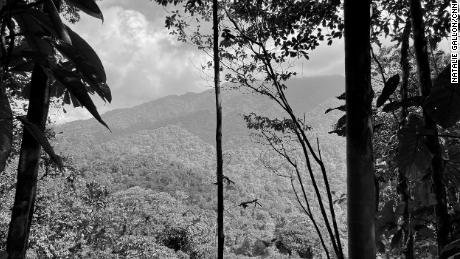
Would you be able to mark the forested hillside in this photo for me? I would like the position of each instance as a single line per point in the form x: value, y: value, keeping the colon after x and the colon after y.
x: 360, y: 159
x: 165, y: 147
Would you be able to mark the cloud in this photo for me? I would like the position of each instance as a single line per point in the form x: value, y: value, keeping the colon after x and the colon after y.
x: 144, y: 62
x: 325, y: 60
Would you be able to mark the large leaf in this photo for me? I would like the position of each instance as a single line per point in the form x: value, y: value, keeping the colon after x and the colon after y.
x: 41, y: 139
x: 389, y: 88
x: 57, y: 89
x: 340, y: 108
x: 57, y: 22
x: 342, y: 96
x: 414, y: 158
x: 33, y: 26
x: 409, y: 102
x: 88, y: 6
x: 386, y: 218
x: 341, y: 122
x: 18, y: 56
x: 443, y: 103
x: 78, y: 91
x: 87, y: 63
x: 340, y: 128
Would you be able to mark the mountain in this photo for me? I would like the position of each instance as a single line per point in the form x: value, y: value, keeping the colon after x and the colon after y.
x: 167, y: 146
x: 195, y: 112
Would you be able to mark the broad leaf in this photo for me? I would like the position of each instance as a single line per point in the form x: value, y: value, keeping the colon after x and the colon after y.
x: 443, y: 103
x: 34, y: 29
x: 389, y: 88
x: 342, y: 132
x: 66, y: 99
x: 340, y: 127
x: 414, y: 156
x: 78, y: 91
x: 342, y: 96
x: 409, y: 102
x: 57, y: 22
x: 341, y: 122
x: 386, y: 218
x: 57, y: 89
x: 87, y: 63
x: 88, y: 6
x: 41, y: 139
x: 340, y: 108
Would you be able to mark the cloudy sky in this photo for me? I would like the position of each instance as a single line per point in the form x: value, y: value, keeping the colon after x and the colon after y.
x: 143, y: 62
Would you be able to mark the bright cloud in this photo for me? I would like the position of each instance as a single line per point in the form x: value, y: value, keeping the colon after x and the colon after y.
x: 144, y: 62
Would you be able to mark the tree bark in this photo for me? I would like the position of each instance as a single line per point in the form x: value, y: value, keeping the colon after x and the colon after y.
x: 432, y: 141
x: 360, y: 162
x: 220, y: 185
x: 6, y: 128
x: 26, y: 186
x: 404, y: 188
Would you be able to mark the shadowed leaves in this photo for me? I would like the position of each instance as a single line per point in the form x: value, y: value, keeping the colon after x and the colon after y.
x: 443, y: 103
x: 40, y: 137
x: 59, y: 27
x: 78, y: 91
x: 389, y: 88
x: 409, y: 102
x: 87, y: 62
x: 414, y: 156
x: 88, y: 6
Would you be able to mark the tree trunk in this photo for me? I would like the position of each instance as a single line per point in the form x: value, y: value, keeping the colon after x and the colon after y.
x: 220, y: 185
x: 26, y: 186
x: 6, y: 128
x: 360, y: 165
x: 404, y: 188
x: 432, y: 141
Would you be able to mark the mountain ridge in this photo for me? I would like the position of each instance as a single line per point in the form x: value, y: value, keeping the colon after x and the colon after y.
x: 166, y: 147
x: 196, y: 111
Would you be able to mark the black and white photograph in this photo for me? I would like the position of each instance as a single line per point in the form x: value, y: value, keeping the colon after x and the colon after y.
x: 236, y: 129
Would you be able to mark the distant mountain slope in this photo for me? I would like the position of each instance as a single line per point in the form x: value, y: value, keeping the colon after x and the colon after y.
x: 196, y: 111
x: 176, y: 134
x: 167, y: 146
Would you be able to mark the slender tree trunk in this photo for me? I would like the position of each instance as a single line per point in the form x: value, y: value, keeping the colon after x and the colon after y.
x: 405, y: 67
x: 6, y: 128
x: 404, y: 188
x: 432, y: 141
x: 220, y: 184
x: 360, y: 162
x: 26, y: 186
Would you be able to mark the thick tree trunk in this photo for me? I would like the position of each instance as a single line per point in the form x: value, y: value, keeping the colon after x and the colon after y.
x: 220, y: 175
x: 424, y: 72
x: 404, y: 188
x: 6, y: 128
x: 26, y: 186
x: 360, y: 162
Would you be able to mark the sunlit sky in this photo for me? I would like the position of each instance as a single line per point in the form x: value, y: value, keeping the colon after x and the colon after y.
x: 143, y: 62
